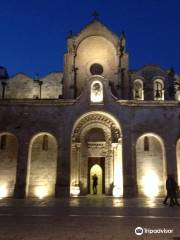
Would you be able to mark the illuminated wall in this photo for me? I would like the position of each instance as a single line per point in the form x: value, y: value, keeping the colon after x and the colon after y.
x: 42, y: 166
x: 22, y: 86
x: 96, y: 49
x: 8, y: 164
x: 96, y: 139
x: 150, y: 165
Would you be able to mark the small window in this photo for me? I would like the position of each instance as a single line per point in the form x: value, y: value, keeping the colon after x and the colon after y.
x: 45, y: 143
x: 96, y: 92
x: 158, y: 90
x: 146, y: 144
x: 138, y: 90
x: 3, y: 142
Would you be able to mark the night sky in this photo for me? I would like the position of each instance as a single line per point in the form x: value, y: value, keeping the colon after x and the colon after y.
x: 33, y: 33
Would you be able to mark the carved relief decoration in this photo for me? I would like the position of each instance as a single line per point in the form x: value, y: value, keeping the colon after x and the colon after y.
x: 94, y: 120
x: 97, y: 149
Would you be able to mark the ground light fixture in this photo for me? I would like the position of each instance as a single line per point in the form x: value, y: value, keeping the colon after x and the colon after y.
x: 75, y: 191
x: 3, y: 191
x: 41, y: 192
x: 117, y: 192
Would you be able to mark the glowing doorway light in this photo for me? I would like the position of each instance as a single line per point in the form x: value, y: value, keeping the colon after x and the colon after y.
x: 41, y: 192
x: 96, y: 170
x: 3, y: 191
x: 151, y: 182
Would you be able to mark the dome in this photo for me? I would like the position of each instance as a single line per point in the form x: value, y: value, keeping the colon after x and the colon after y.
x: 150, y: 71
x: 3, y: 73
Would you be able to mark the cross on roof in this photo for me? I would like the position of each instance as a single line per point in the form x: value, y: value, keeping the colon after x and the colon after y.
x: 95, y: 14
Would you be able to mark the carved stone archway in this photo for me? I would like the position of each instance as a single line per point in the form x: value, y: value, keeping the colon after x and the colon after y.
x: 110, y: 149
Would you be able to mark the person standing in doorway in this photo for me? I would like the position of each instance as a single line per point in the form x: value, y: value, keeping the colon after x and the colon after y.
x: 95, y: 183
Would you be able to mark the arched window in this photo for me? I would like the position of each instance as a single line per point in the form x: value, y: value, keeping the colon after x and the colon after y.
x: 146, y: 143
x: 3, y: 141
x: 138, y: 92
x: 96, y: 92
x: 158, y: 89
x: 45, y: 143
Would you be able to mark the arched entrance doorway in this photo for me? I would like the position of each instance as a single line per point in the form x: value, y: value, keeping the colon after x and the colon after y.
x: 150, y: 165
x: 96, y: 140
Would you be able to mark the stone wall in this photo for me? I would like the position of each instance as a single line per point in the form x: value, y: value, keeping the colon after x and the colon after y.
x: 8, y: 163
x: 96, y: 49
x: 23, y: 87
x: 27, y: 118
x: 42, y: 165
x: 150, y: 160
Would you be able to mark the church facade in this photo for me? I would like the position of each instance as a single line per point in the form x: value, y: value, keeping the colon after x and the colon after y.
x: 96, y: 117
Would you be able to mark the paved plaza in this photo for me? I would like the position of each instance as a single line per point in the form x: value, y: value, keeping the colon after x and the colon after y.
x: 87, y: 218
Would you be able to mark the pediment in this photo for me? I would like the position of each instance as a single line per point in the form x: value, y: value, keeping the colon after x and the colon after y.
x: 97, y: 28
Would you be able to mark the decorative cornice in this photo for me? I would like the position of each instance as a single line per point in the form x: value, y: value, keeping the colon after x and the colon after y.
x: 141, y: 103
x: 39, y: 102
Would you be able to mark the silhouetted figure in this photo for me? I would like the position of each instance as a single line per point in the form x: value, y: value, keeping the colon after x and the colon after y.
x: 172, y: 188
x: 95, y: 183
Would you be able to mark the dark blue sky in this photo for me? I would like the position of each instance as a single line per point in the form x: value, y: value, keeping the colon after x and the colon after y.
x: 33, y: 33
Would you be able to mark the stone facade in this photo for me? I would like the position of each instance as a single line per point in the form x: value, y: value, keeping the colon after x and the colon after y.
x: 55, y: 129
x: 21, y: 86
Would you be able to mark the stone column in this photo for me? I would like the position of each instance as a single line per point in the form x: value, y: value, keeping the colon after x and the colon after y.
x: 75, y: 158
x: 129, y: 165
x: 62, y: 188
x: 109, y: 170
x: 20, y: 189
x: 78, y: 151
x: 170, y: 155
x: 83, y: 169
x: 114, y: 151
x: 73, y: 163
x: 117, y: 160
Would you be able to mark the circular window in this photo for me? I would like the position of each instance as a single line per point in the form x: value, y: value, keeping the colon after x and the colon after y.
x: 96, y: 69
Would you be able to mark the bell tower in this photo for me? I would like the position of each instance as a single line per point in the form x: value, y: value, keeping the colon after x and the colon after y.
x: 95, y: 51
